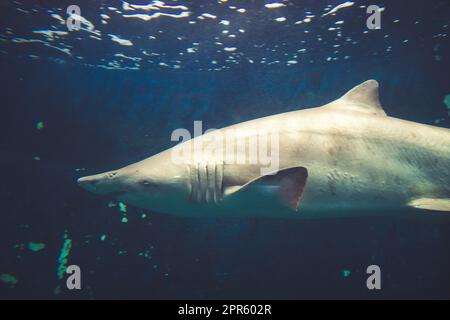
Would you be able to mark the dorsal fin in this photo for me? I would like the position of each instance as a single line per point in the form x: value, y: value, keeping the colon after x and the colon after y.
x: 363, y: 98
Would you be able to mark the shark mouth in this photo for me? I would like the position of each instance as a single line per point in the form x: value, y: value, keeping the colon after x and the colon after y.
x: 116, y: 194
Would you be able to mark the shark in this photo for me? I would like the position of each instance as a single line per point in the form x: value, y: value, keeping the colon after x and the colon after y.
x: 343, y: 159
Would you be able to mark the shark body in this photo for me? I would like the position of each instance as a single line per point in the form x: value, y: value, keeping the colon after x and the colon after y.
x: 346, y: 158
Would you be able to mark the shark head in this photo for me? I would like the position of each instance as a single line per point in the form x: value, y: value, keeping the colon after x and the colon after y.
x: 153, y: 183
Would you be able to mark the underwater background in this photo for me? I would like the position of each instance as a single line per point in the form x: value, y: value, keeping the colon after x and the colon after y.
x: 81, y: 102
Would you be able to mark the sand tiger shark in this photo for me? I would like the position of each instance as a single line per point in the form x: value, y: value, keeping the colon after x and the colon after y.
x: 346, y: 158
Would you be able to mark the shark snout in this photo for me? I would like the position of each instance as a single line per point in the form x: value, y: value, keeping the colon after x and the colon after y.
x: 103, y: 183
x: 90, y: 183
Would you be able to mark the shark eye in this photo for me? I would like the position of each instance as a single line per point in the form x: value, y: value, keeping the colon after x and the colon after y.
x: 149, y: 185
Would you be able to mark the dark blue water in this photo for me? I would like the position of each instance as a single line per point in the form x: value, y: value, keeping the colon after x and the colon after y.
x: 96, y: 119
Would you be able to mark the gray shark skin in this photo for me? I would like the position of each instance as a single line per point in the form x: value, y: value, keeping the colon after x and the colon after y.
x: 346, y: 158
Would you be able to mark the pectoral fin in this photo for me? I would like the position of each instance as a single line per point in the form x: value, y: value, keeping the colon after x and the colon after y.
x: 431, y: 204
x: 287, y: 185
